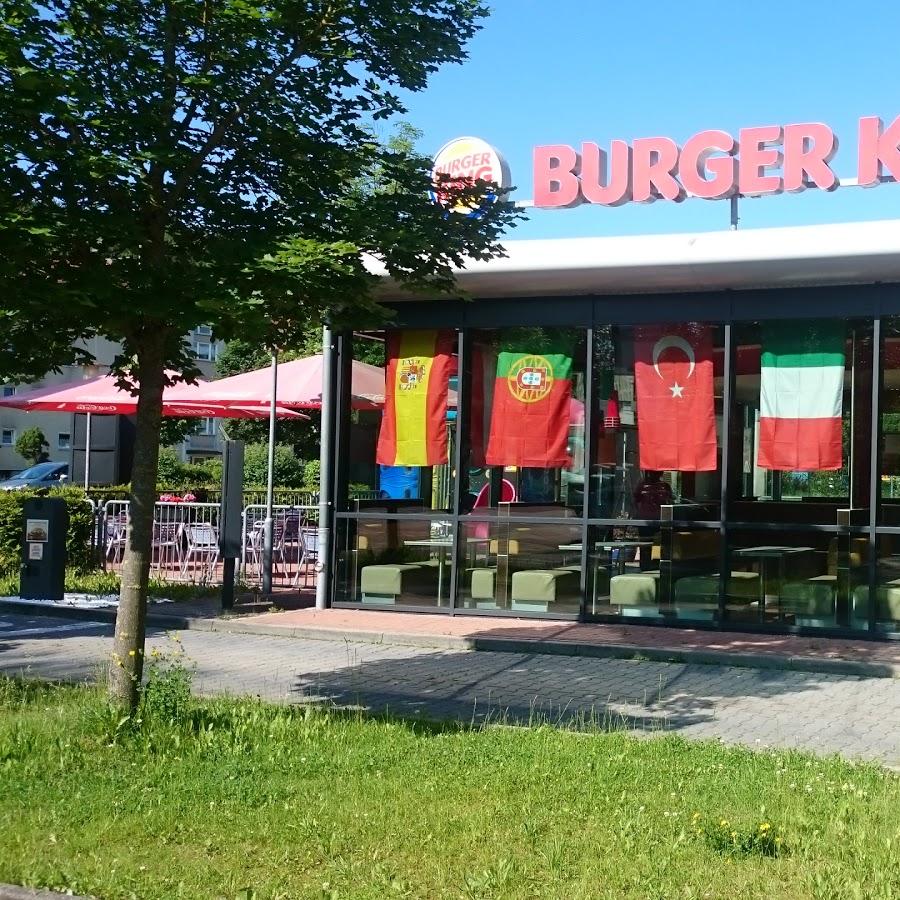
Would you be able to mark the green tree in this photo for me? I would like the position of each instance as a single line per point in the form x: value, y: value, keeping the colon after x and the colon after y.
x: 173, y: 162
x: 173, y: 431
x: 32, y: 445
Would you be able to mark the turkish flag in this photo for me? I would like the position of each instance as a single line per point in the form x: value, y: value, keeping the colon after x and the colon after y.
x: 673, y: 376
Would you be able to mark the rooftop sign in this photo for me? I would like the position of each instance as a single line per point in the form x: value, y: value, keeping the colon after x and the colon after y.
x: 471, y: 159
x: 771, y: 159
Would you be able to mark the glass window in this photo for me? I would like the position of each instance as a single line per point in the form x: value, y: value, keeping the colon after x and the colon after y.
x: 521, y: 567
x: 394, y: 562
x: 205, y: 350
x: 7, y: 437
x: 526, y: 421
x: 205, y: 330
x: 9, y: 390
x: 63, y: 440
x: 794, y: 577
x: 887, y: 590
x: 208, y: 426
x: 801, y: 420
x: 653, y: 572
x: 659, y: 406
x: 889, y: 451
x: 402, y: 421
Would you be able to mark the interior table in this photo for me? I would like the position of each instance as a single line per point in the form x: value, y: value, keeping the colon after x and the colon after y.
x: 765, y: 556
x: 607, y: 548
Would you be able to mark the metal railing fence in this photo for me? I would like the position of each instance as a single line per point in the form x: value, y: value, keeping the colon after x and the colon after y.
x: 185, y: 542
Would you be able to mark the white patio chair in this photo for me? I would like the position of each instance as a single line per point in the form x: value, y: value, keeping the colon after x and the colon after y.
x: 202, y: 544
x: 291, y: 544
x: 254, y: 544
x: 309, y: 538
x: 116, y: 532
x: 167, y: 544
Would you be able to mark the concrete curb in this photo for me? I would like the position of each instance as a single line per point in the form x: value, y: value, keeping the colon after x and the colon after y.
x: 11, y: 892
x: 241, y: 625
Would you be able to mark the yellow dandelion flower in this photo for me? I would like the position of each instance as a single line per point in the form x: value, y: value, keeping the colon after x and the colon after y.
x: 131, y: 652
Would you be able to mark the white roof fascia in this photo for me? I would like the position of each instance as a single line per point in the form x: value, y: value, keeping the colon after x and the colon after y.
x: 851, y: 253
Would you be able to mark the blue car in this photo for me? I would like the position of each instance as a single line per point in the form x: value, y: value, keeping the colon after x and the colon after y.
x: 46, y: 474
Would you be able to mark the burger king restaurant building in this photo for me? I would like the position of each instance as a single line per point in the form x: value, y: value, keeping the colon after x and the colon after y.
x: 693, y: 429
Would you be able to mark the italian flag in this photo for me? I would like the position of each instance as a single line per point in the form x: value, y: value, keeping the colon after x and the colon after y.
x: 417, y: 385
x: 530, y: 410
x: 801, y: 396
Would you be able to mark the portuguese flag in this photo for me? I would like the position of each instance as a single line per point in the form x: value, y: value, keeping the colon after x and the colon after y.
x: 530, y: 412
x: 801, y: 395
x: 417, y: 384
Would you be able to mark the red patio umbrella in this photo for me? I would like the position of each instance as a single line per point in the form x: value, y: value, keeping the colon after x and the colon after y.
x: 299, y: 387
x: 102, y: 396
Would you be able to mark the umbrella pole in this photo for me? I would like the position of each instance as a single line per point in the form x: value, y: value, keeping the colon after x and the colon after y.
x: 270, y: 485
x: 87, y: 452
x: 326, y: 462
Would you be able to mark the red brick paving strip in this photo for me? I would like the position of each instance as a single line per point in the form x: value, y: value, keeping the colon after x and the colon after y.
x: 610, y: 635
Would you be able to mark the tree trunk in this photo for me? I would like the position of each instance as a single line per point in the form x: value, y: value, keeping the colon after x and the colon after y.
x: 128, y: 651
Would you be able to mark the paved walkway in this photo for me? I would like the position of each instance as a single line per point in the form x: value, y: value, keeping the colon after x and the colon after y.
x: 826, y: 713
x: 625, y: 640
x: 535, y: 635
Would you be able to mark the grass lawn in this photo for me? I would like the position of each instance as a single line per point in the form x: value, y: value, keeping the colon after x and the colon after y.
x: 241, y: 799
x: 103, y: 583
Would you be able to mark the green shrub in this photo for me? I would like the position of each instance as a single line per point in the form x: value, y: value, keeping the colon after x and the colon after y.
x: 173, y: 474
x: 289, y: 470
x: 311, y: 471
x: 12, y: 522
x: 101, y: 495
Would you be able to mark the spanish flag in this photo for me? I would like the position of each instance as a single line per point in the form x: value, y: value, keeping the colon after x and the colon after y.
x: 417, y: 385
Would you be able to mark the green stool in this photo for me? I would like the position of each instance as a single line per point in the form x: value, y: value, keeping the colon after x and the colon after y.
x: 887, y: 609
x: 533, y: 590
x: 483, y: 586
x: 384, y: 583
x: 810, y: 602
x: 697, y: 596
x: 636, y: 594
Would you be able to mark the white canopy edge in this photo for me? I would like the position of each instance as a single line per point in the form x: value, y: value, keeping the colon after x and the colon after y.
x: 849, y: 253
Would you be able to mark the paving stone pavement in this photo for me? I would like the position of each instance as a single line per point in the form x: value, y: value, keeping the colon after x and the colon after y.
x: 856, y: 716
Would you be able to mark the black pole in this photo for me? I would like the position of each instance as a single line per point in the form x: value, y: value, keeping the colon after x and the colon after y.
x: 228, y: 566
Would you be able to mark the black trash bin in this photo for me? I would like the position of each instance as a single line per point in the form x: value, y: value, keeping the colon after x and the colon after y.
x: 43, y: 570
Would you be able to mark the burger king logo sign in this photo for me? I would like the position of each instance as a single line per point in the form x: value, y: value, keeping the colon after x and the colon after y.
x: 468, y: 159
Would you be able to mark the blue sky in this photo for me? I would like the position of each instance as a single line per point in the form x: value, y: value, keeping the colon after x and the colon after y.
x: 564, y: 71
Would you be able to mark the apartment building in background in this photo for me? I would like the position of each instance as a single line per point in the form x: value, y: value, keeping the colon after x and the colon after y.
x: 112, y: 437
